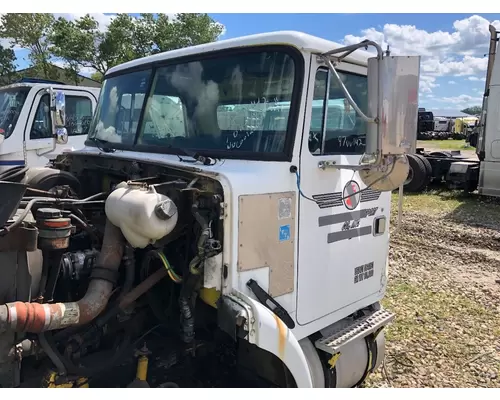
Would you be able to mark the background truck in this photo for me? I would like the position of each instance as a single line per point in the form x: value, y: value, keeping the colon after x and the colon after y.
x: 214, y: 235
x: 460, y: 171
x: 26, y: 130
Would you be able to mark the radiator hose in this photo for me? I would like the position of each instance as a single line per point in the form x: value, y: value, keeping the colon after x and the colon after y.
x: 36, y: 318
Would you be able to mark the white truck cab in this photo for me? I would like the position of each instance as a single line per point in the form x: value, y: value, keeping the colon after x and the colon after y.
x: 258, y: 173
x: 26, y: 126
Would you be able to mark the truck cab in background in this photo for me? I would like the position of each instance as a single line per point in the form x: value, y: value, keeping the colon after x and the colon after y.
x: 27, y: 131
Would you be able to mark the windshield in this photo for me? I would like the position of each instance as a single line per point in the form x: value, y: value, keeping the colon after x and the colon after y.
x: 11, y: 104
x: 234, y: 103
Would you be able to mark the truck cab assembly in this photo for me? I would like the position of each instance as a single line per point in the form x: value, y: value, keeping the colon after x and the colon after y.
x: 212, y: 232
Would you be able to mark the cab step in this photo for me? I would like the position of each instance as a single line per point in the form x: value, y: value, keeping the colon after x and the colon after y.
x: 358, y: 329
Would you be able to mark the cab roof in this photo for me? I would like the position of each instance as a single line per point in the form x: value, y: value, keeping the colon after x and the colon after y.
x: 301, y: 41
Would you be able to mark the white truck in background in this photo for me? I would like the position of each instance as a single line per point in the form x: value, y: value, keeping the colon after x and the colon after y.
x: 233, y: 220
x: 27, y: 132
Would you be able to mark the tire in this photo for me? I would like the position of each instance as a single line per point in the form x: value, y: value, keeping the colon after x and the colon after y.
x: 428, y: 168
x: 48, y: 178
x: 417, y: 176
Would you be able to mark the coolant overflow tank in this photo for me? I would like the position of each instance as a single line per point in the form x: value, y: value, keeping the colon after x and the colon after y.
x: 143, y: 215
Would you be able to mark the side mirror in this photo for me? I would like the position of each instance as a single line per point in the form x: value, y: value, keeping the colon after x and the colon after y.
x: 61, y: 135
x: 59, y: 109
x: 392, y: 119
x: 58, y: 114
x: 393, y: 84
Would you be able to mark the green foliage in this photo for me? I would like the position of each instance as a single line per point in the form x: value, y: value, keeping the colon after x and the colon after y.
x: 472, y: 110
x: 82, y: 43
x: 127, y: 38
x: 7, y: 66
x: 96, y: 76
x: 32, y: 32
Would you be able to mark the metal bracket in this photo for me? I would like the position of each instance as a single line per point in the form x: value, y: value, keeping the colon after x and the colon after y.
x: 331, y: 164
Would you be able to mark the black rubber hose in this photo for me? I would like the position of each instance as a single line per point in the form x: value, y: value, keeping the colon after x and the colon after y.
x: 205, y: 229
x: 103, y: 365
x: 86, y: 227
x: 185, y: 308
x: 52, y: 353
x: 129, y: 263
x: 15, y: 174
x: 187, y: 320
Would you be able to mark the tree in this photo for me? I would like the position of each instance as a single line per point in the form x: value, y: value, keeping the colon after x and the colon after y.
x: 74, y: 41
x: 472, y: 110
x: 186, y: 30
x: 96, y: 76
x: 32, y: 32
x: 7, y: 66
x: 84, y: 44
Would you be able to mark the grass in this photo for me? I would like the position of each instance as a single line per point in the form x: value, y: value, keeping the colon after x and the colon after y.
x: 444, y: 144
x: 461, y: 207
x: 429, y: 312
x: 446, y: 327
x: 432, y: 201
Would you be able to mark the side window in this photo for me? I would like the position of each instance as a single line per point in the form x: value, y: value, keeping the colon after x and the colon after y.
x: 42, y: 124
x: 78, y: 115
x: 335, y: 126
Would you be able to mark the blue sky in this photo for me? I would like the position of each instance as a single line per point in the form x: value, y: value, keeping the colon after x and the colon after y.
x: 452, y: 45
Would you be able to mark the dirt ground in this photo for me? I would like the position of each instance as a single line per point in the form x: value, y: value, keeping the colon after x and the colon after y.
x: 444, y: 263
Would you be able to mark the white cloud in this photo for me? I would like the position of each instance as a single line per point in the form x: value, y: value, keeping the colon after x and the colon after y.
x: 463, y: 99
x: 452, y: 82
x: 458, y: 52
x: 476, y: 79
x: 102, y: 19
x: 427, y: 83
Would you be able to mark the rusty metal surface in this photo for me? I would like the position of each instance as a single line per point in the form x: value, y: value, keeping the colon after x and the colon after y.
x: 143, y: 287
x: 99, y: 291
x: 34, y: 317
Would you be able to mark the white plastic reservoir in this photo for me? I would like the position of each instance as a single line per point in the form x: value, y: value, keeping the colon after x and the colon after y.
x: 143, y: 215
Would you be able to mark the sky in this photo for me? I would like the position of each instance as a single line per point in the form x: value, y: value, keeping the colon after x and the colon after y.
x: 452, y: 46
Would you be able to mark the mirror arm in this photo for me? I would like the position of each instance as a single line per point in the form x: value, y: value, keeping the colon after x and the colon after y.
x: 348, y: 95
x: 367, y: 159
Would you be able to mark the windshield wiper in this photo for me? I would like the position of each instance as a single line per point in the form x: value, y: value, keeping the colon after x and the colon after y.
x: 102, y: 145
x: 197, y: 157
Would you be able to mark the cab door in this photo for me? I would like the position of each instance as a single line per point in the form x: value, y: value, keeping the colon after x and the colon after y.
x: 79, y: 106
x: 341, y: 258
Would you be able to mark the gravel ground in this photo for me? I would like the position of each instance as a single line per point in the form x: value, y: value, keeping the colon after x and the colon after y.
x: 444, y: 262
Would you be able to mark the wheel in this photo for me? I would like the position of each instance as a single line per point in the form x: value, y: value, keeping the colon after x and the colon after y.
x: 428, y: 168
x: 417, y: 174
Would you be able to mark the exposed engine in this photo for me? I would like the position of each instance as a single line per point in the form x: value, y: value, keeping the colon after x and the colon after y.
x: 104, y: 284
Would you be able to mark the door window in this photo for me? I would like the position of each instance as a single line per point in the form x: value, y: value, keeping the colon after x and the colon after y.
x: 335, y: 126
x: 42, y: 124
x: 78, y: 117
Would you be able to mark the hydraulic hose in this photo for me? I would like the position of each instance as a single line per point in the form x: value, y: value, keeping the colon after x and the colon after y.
x: 35, y: 317
x: 185, y: 303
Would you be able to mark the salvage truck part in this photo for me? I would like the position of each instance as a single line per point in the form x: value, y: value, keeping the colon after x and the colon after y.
x: 209, y: 233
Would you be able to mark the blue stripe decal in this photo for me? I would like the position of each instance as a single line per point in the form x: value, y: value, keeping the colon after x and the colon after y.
x: 13, y: 163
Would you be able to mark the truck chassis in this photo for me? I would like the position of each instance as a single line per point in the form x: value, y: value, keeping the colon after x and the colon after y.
x: 434, y: 167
